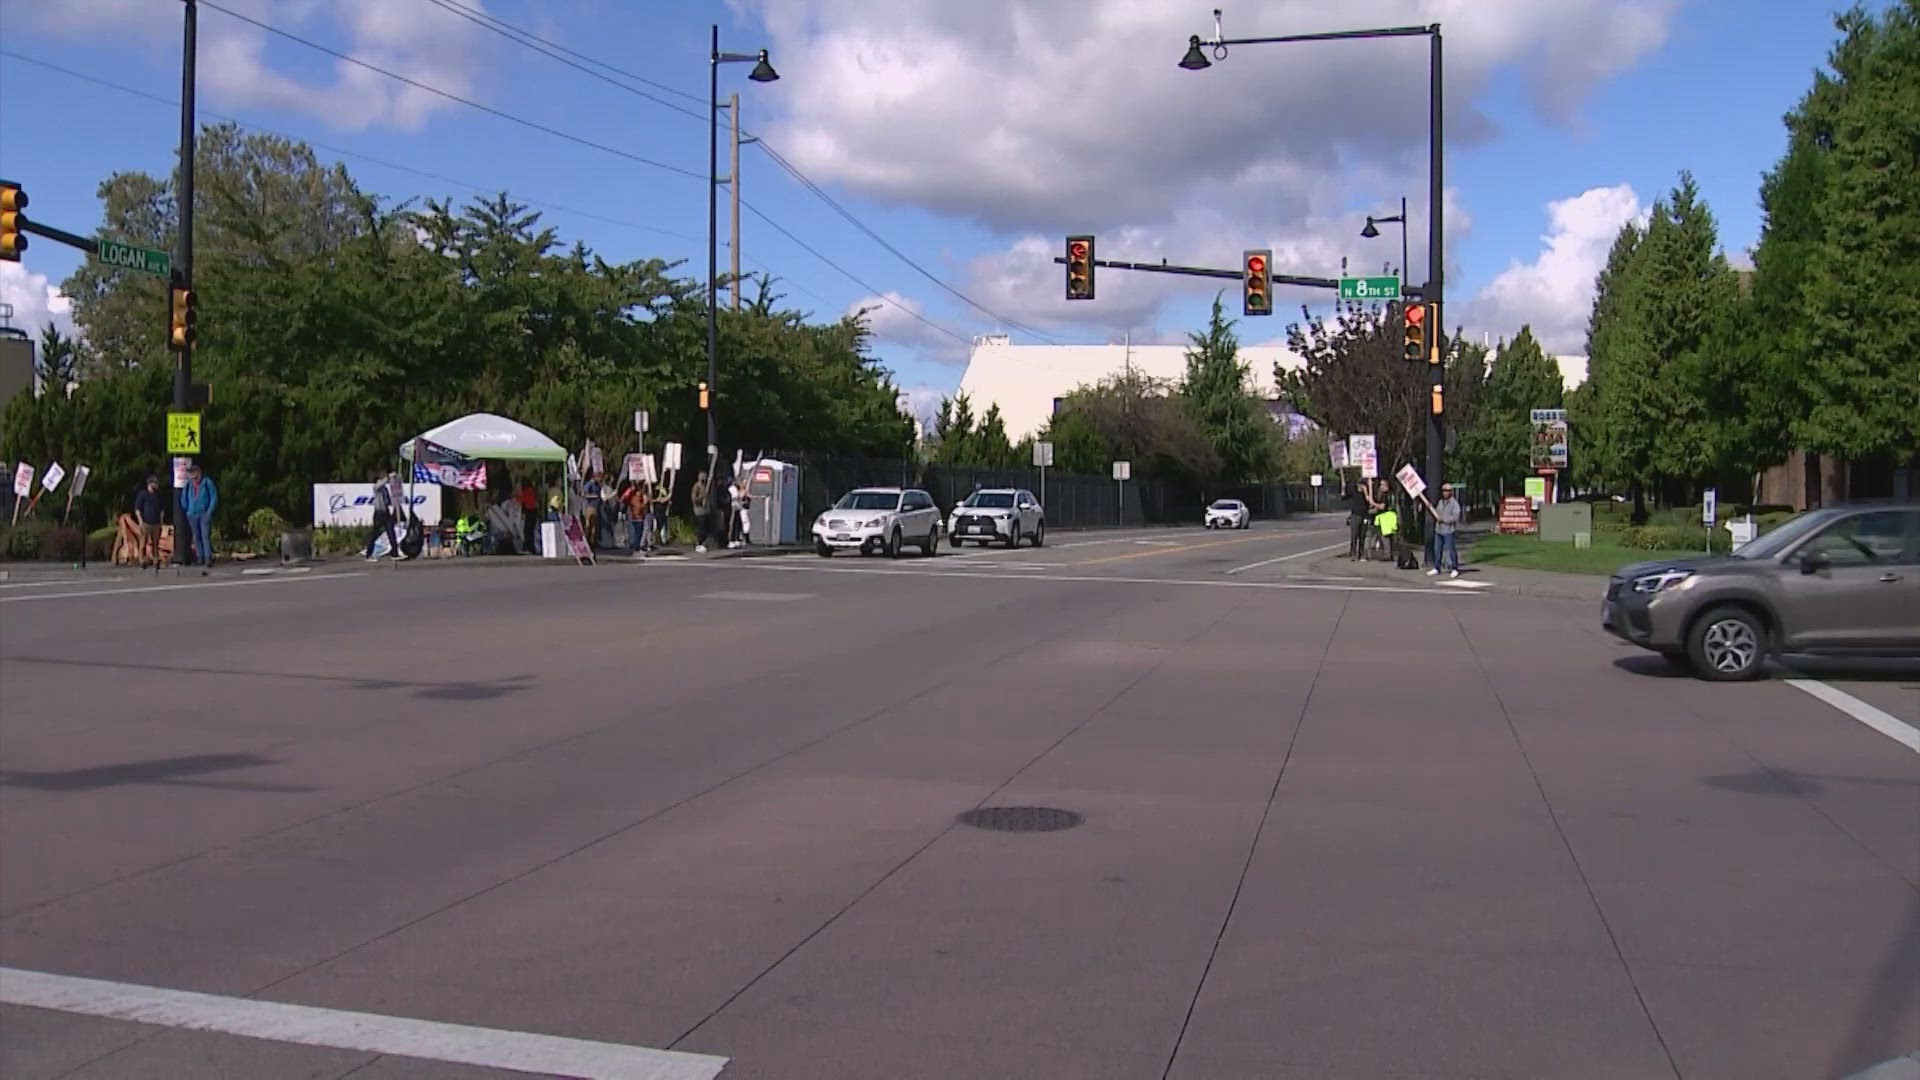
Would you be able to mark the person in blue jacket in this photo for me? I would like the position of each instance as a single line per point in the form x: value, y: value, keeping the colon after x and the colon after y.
x: 197, y: 501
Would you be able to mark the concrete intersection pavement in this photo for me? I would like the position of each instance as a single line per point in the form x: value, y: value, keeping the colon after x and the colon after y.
x: 702, y: 818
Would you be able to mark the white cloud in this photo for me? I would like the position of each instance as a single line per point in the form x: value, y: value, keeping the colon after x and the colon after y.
x: 1063, y: 115
x: 243, y: 66
x: 35, y: 299
x: 1554, y: 292
x: 900, y: 320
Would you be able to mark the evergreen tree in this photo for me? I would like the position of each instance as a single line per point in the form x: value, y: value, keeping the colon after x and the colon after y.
x: 1496, y: 448
x: 1215, y: 393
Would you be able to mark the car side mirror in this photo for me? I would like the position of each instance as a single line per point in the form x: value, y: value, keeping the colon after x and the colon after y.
x: 1813, y: 562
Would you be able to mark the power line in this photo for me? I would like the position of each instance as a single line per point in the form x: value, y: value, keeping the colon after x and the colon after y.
x: 849, y: 275
x: 485, y: 189
x: 552, y: 49
x: 570, y: 137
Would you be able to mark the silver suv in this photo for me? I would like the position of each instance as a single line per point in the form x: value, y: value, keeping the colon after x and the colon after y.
x: 1008, y: 515
x: 879, y: 519
x: 1842, y: 580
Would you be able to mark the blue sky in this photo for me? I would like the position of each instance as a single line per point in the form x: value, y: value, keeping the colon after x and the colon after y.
x: 971, y: 137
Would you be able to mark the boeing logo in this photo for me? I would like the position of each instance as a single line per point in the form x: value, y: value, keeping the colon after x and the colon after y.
x: 337, y: 503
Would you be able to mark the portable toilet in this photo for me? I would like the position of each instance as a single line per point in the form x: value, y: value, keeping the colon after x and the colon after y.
x: 774, y: 487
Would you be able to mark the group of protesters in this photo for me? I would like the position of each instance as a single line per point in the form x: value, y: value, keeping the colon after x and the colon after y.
x: 1376, y: 531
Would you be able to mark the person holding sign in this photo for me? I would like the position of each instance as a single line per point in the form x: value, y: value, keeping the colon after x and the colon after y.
x: 1446, y: 524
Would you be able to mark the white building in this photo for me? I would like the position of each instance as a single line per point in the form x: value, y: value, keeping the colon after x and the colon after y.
x: 1025, y: 380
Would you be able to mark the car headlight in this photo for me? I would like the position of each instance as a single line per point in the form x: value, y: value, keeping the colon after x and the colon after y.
x: 874, y: 523
x: 1660, y: 582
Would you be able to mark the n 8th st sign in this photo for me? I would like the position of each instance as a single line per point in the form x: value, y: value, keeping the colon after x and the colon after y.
x: 1369, y: 288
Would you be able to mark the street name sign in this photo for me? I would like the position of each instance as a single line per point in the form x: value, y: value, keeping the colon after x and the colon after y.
x: 1369, y: 288
x: 138, y: 259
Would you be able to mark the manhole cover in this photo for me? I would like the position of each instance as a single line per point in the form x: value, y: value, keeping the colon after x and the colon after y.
x: 1020, y: 818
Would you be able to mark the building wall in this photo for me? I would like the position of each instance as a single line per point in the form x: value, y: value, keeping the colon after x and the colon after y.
x: 1025, y: 380
x: 16, y: 367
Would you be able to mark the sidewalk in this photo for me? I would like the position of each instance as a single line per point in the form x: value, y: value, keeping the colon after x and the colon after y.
x: 1476, y: 578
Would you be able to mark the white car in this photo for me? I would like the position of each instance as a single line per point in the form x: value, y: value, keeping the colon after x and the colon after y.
x: 1229, y: 514
x: 1008, y: 515
x: 879, y: 519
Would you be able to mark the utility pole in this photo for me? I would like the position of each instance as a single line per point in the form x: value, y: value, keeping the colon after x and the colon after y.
x: 1436, y: 264
x: 733, y: 192
x: 183, y: 265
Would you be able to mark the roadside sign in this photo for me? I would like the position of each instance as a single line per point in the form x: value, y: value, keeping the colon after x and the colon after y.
x: 1042, y: 455
x: 1708, y: 509
x: 1369, y: 288
x: 1361, y: 452
x: 138, y: 259
x: 52, y: 477
x: 640, y: 421
x: 1536, y: 488
x: 1123, y: 470
x: 1409, y: 478
x: 1316, y: 479
x: 183, y: 433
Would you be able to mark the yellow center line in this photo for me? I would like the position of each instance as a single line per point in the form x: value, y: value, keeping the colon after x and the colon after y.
x: 1173, y: 550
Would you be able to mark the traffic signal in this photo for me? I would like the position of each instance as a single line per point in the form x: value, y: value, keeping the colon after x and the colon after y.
x: 1079, y: 267
x: 184, y: 313
x: 1415, y: 335
x: 12, y: 201
x: 1256, y: 297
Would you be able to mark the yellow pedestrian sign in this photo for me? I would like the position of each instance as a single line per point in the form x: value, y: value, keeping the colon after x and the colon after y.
x: 183, y: 433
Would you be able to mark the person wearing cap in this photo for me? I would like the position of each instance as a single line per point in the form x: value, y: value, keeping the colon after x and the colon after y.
x: 148, y: 508
x: 1446, y: 522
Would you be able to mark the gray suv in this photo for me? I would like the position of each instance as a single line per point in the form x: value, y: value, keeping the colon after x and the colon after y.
x: 1842, y: 580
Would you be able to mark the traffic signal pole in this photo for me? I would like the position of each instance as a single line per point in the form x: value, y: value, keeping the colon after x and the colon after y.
x: 183, y: 263
x: 1204, y: 271
x: 1436, y: 267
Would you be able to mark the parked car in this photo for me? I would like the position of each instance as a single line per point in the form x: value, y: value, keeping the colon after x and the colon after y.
x: 1229, y: 514
x: 879, y: 519
x: 1008, y: 515
x: 1842, y: 580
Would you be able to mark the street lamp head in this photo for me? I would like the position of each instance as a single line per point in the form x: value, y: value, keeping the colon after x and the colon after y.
x: 1369, y: 232
x: 763, y: 71
x: 1196, y: 59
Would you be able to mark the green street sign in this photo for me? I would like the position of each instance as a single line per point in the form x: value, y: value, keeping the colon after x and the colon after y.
x: 138, y: 259
x: 1369, y: 288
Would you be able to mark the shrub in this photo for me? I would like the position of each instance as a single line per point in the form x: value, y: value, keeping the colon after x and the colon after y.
x: 63, y: 543
x: 330, y: 540
x: 25, y: 540
x: 100, y: 544
x: 1674, y: 538
x: 265, y: 526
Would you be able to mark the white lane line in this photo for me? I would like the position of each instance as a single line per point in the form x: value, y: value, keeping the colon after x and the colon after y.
x: 58, y: 581
x: 1465, y: 584
x: 982, y: 575
x: 1883, y: 722
x: 766, y: 596
x: 341, y: 1030
x: 184, y: 585
x: 259, y: 570
x: 1284, y: 558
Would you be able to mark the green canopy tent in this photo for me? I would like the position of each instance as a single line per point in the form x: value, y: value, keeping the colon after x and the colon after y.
x: 488, y: 437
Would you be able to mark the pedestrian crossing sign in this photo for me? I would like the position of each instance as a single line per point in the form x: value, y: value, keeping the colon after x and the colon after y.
x: 183, y: 433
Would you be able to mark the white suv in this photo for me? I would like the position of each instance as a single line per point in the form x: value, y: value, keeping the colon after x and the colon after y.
x: 879, y: 519
x: 1008, y: 515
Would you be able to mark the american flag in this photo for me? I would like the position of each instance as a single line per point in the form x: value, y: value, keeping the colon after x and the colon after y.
x: 435, y: 464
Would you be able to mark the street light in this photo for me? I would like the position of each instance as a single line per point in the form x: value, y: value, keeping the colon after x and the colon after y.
x: 1370, y: 232
x: 762, y: 73
x: 1430, y: 293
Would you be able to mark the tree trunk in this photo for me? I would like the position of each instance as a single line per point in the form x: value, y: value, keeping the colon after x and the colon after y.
x: 1639, y: 503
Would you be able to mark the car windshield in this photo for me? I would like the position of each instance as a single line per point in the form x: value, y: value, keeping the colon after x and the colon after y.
x: 999, y: 499
x: 1226, y: 504
x: 868, y: 500
x: 1789, y: 533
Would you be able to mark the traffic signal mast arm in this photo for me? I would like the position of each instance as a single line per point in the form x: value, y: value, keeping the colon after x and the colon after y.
x: 1201, y: 271
x: 60, y: 236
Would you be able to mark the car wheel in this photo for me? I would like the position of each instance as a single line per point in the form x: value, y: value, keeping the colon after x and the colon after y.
x: 823, y: 549
x: 895, y: 548
x: 955, y: 541
x: 932, y: 546
x: 1013, y: 535
x: 1040, y: 534
x: 1727, y: 644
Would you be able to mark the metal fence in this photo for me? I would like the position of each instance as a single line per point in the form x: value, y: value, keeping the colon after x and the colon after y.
x: 1072, y: 502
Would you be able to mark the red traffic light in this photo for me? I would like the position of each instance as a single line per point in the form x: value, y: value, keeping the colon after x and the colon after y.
x: 1416, y: 314
x: 1080, y: 264
x: 1256, y: 264
x: 1077, y: 249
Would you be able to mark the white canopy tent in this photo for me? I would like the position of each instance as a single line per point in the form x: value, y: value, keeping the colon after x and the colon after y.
x: 491, y: 438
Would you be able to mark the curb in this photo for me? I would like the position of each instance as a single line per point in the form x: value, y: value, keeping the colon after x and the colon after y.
x: 1551, y: 590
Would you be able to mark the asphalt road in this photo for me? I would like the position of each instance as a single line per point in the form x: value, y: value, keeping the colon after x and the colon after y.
x: 689, y: 811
